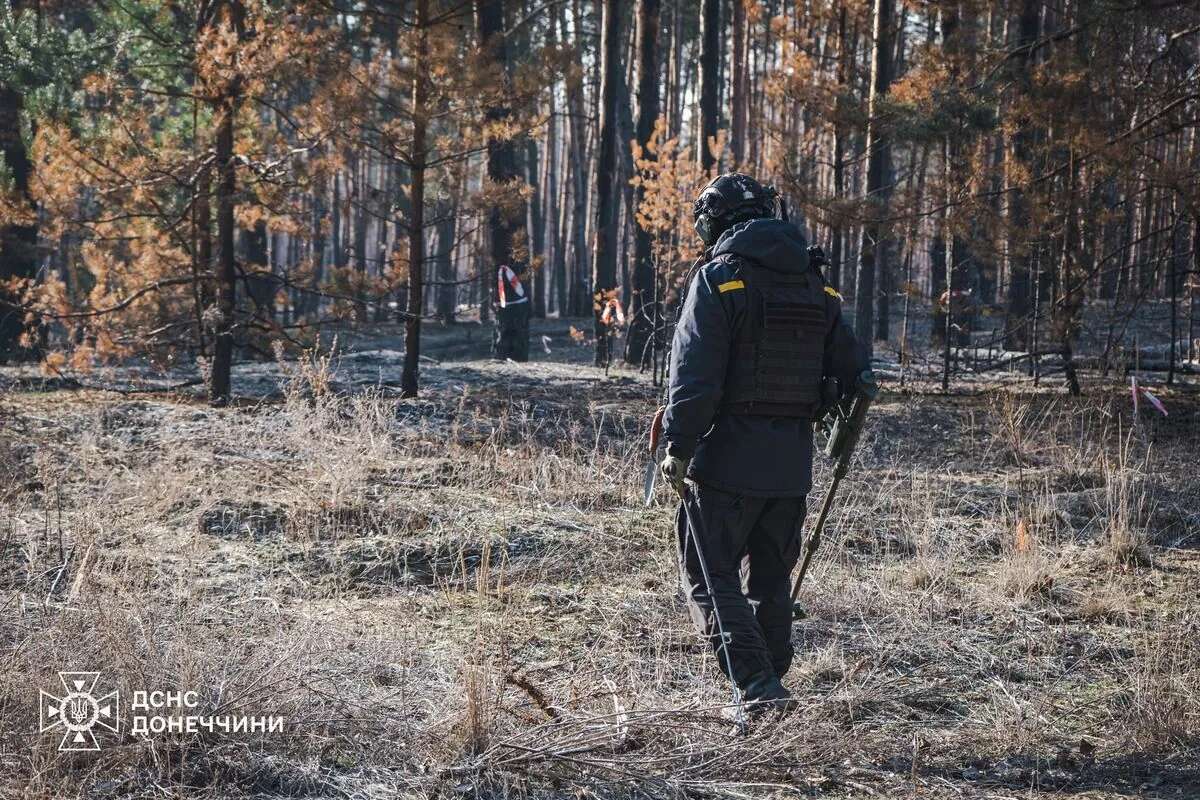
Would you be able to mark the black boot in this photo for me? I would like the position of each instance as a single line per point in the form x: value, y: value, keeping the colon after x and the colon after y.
x: 767, y: 693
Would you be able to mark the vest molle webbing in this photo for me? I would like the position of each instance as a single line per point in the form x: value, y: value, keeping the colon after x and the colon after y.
x: 778, y: 353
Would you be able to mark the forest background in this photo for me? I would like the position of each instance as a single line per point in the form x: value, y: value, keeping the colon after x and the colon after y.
x: 197, y: 181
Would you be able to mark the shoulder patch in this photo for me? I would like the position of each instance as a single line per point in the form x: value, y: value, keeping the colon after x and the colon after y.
x: 729, y: 286
x: 832, y: 292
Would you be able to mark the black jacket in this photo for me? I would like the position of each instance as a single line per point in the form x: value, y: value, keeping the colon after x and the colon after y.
x: 752, y: 455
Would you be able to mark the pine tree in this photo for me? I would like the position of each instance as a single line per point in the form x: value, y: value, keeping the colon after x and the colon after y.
x: 878, y: 147
x: 643, y: 309
x: 604, y: 245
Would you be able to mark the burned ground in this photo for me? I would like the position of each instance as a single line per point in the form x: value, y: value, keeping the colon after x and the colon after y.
x: 463, y: 594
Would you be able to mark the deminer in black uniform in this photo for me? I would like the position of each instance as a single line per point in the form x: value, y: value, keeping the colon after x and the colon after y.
x: 759, y: 334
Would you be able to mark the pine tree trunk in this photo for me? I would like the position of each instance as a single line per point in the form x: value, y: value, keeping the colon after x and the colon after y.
x: 339, y: 250
x: 626, y: 132
x: 311, y: 301
x: 675, y: 73
x: 878, y: 154
x: 447, y: 290
x: 416, y: 225
x: 883, y: 266
x: 557, y: 268
x: 230, y: 14
x: 953, y: 171
x: 549, y: 215
x: 537, y: 229
x: 604, y: 250
x: 643, y: 310
x: 259, y: 284
x: 579, y: 193
x: 710, y: 62
x: 836, y: 234
x: 737, y: 94
x: 447, y: 262
x: 502, y: 160
x: 359, y: 208
x: 563, y: 225
x: 1017, y: 330
x: 202, y: 220
x: 386, y: 239
x: 1066, y: 311
x: 1193, y: 285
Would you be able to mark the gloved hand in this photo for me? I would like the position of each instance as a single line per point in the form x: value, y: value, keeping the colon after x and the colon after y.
x: 817, y: 257
x: 674, y: 470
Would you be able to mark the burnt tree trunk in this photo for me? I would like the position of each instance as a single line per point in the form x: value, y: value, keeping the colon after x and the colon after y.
x: 311, y: 300
x: 878, y: 155
x: 537, y: 229
x: 643, y: 310
x: 738, y: 85
x: 1017, y: 330
x: 604, y: 249
x: 710, y: 63
x: 502, y: 160
x: 836, y: 233
x: 259, y: 284
x: 579, y: 186
x: 557, y: 268
x: 231, y: 15
x: 447, y: 231
x: 202, y: 257
x: 416, y: 224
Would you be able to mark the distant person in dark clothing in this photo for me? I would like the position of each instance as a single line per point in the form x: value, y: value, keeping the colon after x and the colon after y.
x: 512, y: 316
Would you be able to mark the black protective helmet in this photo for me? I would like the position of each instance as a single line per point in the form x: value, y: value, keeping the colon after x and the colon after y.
x: 729, y: 199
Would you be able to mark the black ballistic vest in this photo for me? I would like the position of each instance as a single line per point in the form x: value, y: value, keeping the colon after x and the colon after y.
x: 778, y: 352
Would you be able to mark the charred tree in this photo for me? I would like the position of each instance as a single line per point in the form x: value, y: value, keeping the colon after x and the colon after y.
x: 416, y: 222
x: 836, y: 233
x: 643, y: 311
x: 502, y: 158
x: 1018, y: 330
x: 230, y: 15
x: 537, y: 228
x: 604, y: 248
x: 739, y: 85
x: 576, y: 299
x: 878, y: 149
x: 710, y: 69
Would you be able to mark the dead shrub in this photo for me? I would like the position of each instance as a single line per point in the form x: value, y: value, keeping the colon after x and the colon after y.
x: 1018, y: 428
x: 1126, y: 502
x: 1161, y: 708
x: 1108, y: 604
x: 1027, y: 570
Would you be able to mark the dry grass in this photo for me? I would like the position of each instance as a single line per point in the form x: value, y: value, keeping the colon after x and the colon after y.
x: 464, y: 595
x: 1126, y: 506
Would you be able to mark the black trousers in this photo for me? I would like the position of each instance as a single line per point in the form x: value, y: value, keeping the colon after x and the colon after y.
x: 750, y: 545
x: 512, y: 332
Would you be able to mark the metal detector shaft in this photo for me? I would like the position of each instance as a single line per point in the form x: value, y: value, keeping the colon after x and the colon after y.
x: 696, y: 531
x: 814, y: 537
x: 844, y: 431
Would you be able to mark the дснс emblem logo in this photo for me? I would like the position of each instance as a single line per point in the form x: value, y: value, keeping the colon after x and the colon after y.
x: 78, y: 711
